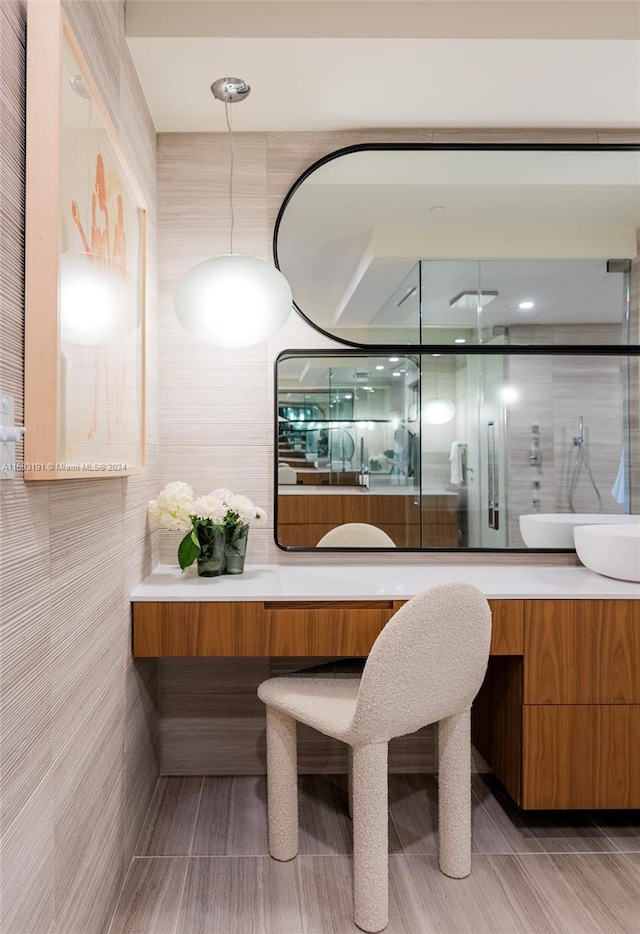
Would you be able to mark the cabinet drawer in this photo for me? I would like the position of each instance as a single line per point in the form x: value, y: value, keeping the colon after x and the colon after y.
x: 190, y: 629
x: 507, y: 637
x: 328, y: 628
x: 581, y: 756
x: 582, y: 652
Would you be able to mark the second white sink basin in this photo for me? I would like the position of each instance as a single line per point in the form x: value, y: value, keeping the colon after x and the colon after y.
x: 555, y: 529
x: 612, y: 550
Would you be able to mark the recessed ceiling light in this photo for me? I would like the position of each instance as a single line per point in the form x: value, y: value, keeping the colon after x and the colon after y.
x: 460, y: 340
x: 394, y: 359
x: 471, y: 298
x: 524, y: 306
x: 379, y: 367
x: 436, y: 354
x: 396, y: 373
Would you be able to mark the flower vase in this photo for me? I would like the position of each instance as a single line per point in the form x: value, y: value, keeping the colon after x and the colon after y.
x: 235, y: 548
x: 212, y: 548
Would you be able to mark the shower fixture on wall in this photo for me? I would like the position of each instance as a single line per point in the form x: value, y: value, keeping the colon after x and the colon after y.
x: 581, y: 463
x: 233, y: 300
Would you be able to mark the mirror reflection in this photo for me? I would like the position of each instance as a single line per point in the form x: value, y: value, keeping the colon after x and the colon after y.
x: 423, y: 246
x: 448, y: 450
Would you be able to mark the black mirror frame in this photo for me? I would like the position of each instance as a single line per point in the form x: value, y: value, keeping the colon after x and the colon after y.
x: 628, y: 350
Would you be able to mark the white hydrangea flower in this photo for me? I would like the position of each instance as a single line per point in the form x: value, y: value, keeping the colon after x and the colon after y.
x: 176, y: 505
x: 210, y: 507
x: 223, y: 493
x: 244, y: 507
x: 261, y: 515
x: 173, y: 507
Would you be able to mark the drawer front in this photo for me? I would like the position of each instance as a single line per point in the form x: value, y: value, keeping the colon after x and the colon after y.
x: 190, y: 629
x: 507, y: 627
x: 315, y: 508
x: 326, y: 628
x: 581, y: 756
x: 582, y: 652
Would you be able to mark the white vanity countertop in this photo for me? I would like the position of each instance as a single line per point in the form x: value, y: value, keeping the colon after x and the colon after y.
x: 264, y: 582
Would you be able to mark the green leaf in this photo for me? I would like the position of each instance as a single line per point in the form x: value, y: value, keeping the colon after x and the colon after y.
x: 188, y: 550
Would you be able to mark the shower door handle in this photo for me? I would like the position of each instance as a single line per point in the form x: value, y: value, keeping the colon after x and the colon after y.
x: 493, y: 489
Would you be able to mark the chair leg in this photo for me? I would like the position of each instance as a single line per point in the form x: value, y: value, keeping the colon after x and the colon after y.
x: 282, y: 785
x: 370, y: 837
x: 454, y: 795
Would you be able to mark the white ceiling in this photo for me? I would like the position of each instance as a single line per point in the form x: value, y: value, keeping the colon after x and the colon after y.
x: 346, y: 64
x: 352, y: 64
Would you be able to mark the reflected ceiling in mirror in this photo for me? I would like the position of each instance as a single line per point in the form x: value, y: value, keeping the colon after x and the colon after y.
x: 409, y: 244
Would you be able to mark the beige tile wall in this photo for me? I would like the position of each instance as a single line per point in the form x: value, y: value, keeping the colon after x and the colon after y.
x: 217, y: 405
x: 556, y: 395
x: 79, y: 742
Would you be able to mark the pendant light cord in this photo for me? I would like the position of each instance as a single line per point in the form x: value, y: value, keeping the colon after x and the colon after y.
x: 227, y: 113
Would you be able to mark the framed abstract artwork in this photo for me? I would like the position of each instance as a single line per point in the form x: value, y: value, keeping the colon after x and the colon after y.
x: 85, y: 270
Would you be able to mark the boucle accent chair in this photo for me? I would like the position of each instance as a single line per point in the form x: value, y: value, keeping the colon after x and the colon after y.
x: 356, y: 535
x: 426, y: 666
x: 286, y: 474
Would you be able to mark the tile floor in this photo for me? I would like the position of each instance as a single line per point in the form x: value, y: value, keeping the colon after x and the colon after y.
x: 201, y: 865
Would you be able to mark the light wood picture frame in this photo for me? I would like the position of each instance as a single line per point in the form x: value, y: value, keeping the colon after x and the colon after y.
x: 85, y: 270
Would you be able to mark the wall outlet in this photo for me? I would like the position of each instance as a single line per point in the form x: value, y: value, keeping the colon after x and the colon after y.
x: 7, y: 448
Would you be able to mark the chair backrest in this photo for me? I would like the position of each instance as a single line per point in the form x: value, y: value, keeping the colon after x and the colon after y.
x: 428, y: 662
x: 356, y: 535
x: 286, y: 474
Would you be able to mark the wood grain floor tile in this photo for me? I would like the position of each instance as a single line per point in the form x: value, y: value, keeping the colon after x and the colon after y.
x: 588, y: 893
x: 326, y: 887
x: 622, y: 828
x: 497, y: 898
x: 539, y: 831
x: 413, y: 804
x: 171, y: 822
x: 232, y: 819
x: 150, y: 899
x: 223, y: 894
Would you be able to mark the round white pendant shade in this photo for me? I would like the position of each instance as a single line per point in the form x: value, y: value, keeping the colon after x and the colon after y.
x: 97, y: 304
x: 233, y: 300
x: 438, y: 411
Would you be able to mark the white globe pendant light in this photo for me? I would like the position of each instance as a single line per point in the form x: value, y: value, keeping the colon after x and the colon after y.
x: 233, y: 300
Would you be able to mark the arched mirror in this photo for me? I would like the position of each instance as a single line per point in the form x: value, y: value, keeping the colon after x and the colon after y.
x: 490, y: 298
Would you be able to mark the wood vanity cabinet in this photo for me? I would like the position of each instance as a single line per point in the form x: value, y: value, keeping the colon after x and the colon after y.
x: 303, y: 519
x: 558, y: 715
x: 560, y: 723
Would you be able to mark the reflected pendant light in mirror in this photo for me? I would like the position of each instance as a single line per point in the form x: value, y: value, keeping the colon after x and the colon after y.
x: 97, y: 301
x: 437, y: 411
x: 233, y: 300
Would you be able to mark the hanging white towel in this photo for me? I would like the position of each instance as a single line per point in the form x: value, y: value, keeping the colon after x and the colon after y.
x: 618, y: 491
x: 456, y: 457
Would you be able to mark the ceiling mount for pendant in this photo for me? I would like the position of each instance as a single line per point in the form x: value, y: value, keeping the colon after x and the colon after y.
x: 230, y: 90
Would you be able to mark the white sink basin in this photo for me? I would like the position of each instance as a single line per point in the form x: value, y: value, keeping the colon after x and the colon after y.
x: 612, y: 550
x: 555, y: 529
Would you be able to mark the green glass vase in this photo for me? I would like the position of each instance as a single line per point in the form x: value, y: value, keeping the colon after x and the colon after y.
x: 212, y: 551
x: 235, y: 548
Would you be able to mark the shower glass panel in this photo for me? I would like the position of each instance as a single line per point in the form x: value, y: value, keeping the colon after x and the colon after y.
x: 552, y: 301
x: 446, y: 450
